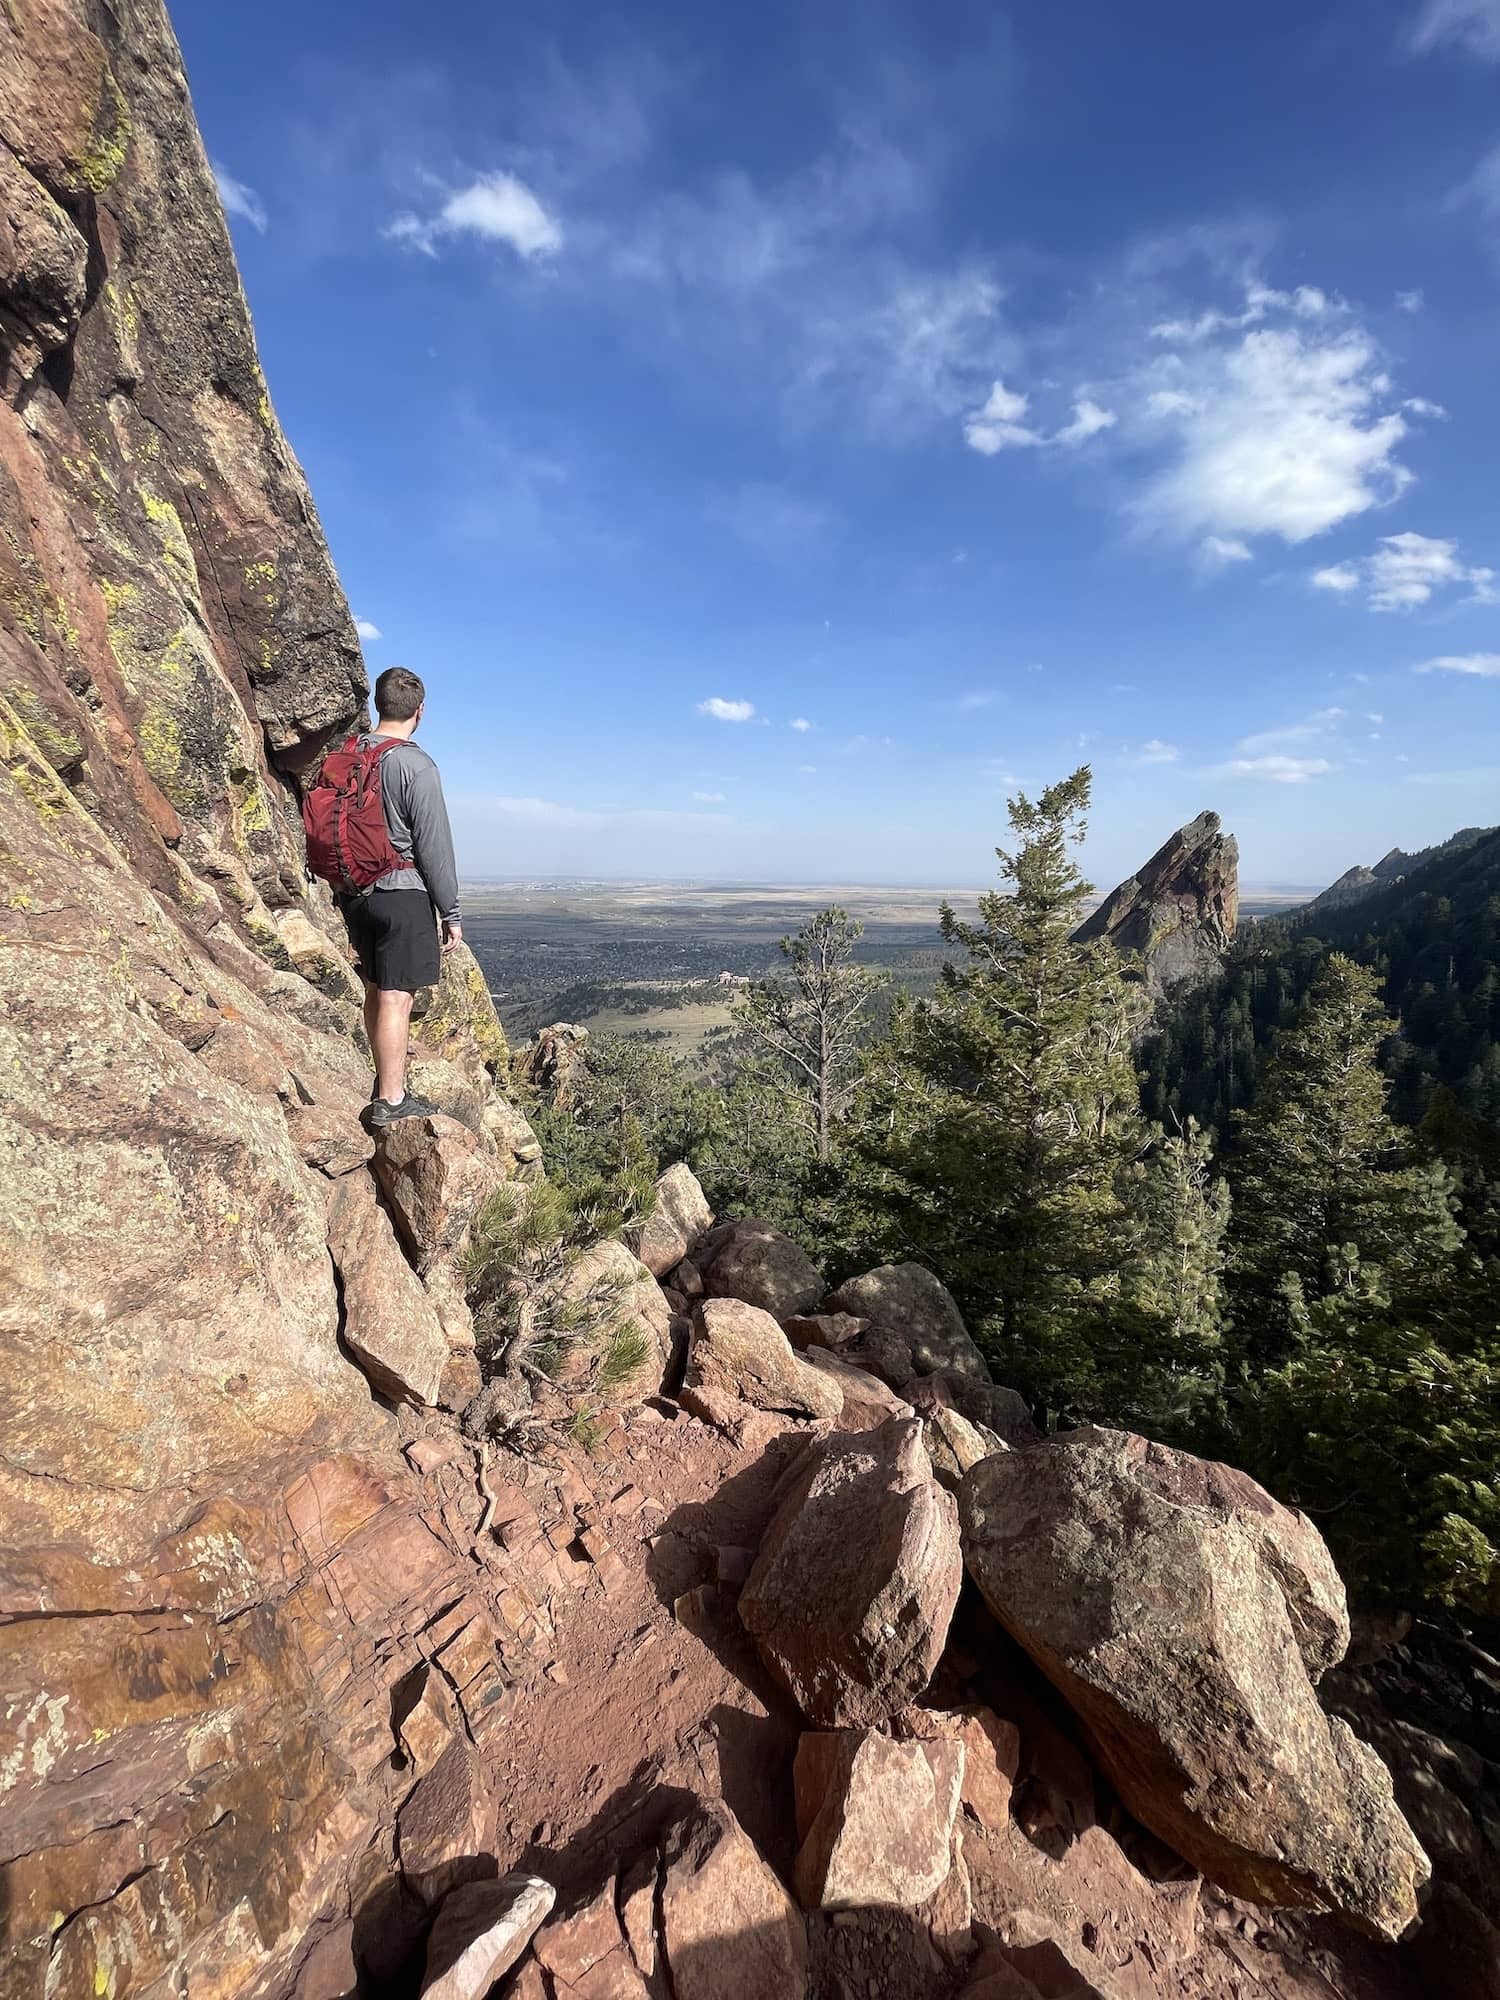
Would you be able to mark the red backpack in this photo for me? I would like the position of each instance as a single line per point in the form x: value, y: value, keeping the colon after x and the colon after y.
x: 343, y: 816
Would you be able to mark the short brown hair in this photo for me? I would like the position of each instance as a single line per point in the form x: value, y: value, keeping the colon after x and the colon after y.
x: 399, y: 693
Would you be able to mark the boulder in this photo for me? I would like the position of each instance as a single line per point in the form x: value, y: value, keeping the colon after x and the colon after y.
x: 906, y: 1303
x: 482, y: 1928
x: 550, y: 1064
x: 875, y: 1818
x: 736, y: 1350
x: 854, y: 1586
x: 992, y: 1755
x: 728, y: 1927
x: 389, y: 1324
x: 586, y: 1953
x: 328, y: 1138
x: 867, y: 1401
x: 1182, y: 1613
x: 688, y: 1279
x: 1003, y: 1413
x: 435, y: 1174
x: 954, y: 1444
x: 677, y: 1224
x: 753, y: 1261
x: 625, y: 1339
x: 835, y: 1331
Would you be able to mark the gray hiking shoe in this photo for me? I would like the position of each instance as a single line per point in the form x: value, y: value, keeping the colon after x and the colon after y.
x: 378, y: 1112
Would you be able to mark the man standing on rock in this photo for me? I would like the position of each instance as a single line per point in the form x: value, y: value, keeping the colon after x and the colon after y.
x: 394, y: 881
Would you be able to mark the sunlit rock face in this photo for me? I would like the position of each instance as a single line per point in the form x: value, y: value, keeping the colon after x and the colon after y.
x: 1178, y: 912
x: 217, y: 1561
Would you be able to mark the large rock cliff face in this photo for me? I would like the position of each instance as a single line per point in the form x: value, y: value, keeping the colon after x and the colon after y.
x: 1178, y: 912
x: 216, y: 1562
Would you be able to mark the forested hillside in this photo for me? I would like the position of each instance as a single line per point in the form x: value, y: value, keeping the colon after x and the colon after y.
x: 1433, y: 939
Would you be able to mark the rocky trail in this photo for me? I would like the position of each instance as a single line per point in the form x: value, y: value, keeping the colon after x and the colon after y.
x: 340, y: 1654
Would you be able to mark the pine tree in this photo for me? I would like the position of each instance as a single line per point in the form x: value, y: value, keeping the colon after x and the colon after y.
x: 995, y: 1123
x: 808, y: 1021
x: 1328, y: 1201
x: 1365, y: 1324
x: 1174, y: 1286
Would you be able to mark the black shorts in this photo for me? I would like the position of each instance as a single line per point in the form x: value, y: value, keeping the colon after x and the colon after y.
x: 395, y: 940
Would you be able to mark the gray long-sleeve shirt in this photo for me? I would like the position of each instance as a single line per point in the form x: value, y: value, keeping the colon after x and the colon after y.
x: 416, y: 818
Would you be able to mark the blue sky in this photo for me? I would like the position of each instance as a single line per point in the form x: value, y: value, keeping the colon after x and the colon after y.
x: 777, y: 432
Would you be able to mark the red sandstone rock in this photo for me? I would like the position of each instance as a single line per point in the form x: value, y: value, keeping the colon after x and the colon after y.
x: 875, y: 1817
x: 753, y: 1261
x: 1178, y: 1609
x: 855, y: 1583
x: 676, y: 1225
x: 739, y: 1351
x: 729, y: 1929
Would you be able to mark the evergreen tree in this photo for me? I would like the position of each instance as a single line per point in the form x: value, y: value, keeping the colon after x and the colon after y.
x: 1328, y: 1201
x: 1366, y: 1326
x: 1174, y: 1286
x: 995, y: 1124
x: 807, y: 1022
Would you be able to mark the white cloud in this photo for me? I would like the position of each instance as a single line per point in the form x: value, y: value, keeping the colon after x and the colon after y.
x: 1154, y: 752
x: 709, y: 798
x: 1088, y: 420
x: 240, y: 200
x: 978, y: 698
x: 1483, y: 666
x: 1273, y: 770
x: 998, y: 423
x: 495, y: 207
x: 1284, y: 431
x: 801, y: 724
x: 1342, y: 577
x: 1216, y: 552
x: 553, y: 813
x: 1306, y: 302
x: 1423, y: 406
x: 1324, y: 722
x: 1406, y: 570
x: 1472, y: 25
x: 367, y: 628
x: 726, y: 711
x: 1409, y: 302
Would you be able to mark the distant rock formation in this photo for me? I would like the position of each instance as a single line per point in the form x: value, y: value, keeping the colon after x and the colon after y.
x: 1179, y: 911
x: 1358, y: 882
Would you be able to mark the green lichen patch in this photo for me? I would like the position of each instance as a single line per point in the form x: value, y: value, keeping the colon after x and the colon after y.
x: 104, y: 156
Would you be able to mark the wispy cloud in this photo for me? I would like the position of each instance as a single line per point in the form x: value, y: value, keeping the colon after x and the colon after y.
x: 1323, y: 723
x: 801, y: 724
x: 1273, y: 770
x: 556, y: 814
x: 1481, y: 666
x: 1405, y: 571
x: 1000, y: 424
x: 240, y: 200
x: 726, y: 711
x: 367, y: 628
x: 1471, y: 25
x: 709, y: 798
x: 495, y: 207
x: 781, y: 524
x: 1153, y: 752
x: 1217, y: 552
x: 977, y: 698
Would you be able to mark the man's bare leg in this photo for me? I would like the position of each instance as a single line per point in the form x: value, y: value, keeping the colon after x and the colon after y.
x: 372, y: 1017
x: 388, y: 1020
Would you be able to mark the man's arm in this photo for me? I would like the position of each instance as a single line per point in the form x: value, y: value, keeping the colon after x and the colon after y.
x: 432, y: 843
